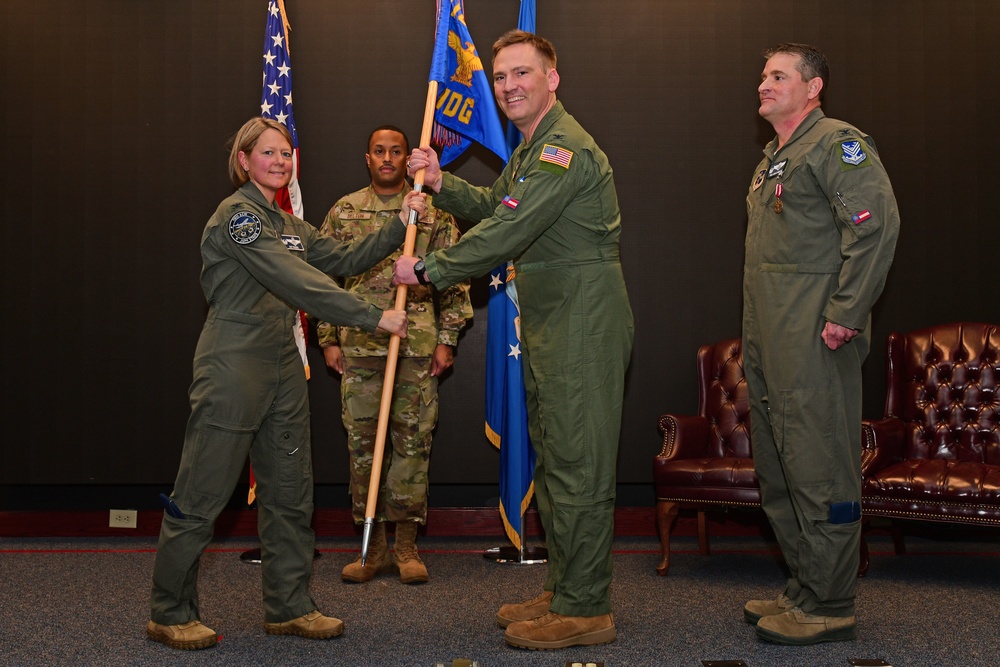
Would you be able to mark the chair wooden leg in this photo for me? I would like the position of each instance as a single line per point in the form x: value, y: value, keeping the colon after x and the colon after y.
x: 703, y: 535
x: 666, y: 512
x: 897, y: 538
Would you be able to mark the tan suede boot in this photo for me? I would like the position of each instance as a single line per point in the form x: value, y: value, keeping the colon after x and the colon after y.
x: 313, y: 625
x: 411, y: 569
x: 798, y: 628
x: 754, y: 610
x: 553, y: 631
x: 378, y: 559
x: 185, y: 636
x: 524, y: 611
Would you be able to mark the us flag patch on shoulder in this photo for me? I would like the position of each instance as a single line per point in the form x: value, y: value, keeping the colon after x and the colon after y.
x: 557, y: 156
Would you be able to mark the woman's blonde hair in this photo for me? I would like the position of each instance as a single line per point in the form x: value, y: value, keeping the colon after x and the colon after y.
x: 244, y: 141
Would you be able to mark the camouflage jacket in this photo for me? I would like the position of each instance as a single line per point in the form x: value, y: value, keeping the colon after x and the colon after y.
x: 435, y: 316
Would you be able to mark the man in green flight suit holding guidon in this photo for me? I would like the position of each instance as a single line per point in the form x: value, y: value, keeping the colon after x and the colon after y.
x: 554, y: 210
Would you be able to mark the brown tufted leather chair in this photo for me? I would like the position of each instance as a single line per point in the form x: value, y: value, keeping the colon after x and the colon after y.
x: 935, y: 455
x: 705, y: 461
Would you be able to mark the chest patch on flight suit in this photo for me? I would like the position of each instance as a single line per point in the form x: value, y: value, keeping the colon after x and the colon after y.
x: 853, y: 155
x: 759, y: 180
x: 555, y: 159
x: 293, y: 242
x: 777, y: 169
x: 244, y: 227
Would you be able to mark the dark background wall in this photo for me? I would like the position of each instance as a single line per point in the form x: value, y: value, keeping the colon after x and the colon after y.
x: 116, y: 114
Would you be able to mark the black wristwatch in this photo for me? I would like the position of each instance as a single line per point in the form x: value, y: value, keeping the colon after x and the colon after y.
x: 420, y: 271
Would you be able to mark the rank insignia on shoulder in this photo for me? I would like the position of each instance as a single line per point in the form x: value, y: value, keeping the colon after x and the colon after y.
x: 244, y: 227
x: 853, y: 155
x: 555, y: 159
x: 858, y: 218
x: 293, y: 242
x: 510, y: 202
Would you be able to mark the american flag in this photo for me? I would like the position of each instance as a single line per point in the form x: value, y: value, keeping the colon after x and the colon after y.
x: 276, y: 97
x: 276, y: 103
x: 556, y: 155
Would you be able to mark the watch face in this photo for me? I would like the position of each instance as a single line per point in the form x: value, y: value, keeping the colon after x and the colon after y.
x: 419, y: 266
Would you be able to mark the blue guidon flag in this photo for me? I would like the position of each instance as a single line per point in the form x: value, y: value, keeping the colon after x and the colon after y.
x: 465, y: 110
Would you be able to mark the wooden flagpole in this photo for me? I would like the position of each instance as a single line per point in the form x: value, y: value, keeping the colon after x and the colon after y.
x: 390, y: 361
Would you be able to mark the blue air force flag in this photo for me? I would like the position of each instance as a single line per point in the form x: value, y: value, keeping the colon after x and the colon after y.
x: 506, y: 410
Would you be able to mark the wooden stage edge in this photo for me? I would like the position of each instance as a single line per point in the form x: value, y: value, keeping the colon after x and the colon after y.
x: 441, y: 522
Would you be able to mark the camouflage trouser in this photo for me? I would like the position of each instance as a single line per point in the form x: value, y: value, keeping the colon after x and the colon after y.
x: 412, y: 417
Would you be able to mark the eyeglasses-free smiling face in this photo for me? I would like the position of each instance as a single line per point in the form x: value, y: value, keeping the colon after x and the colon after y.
x: 783, y: 92
x: 523, y: 85
x: 269, y: 163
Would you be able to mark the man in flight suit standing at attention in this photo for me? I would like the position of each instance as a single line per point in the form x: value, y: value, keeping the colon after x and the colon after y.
x: 821, y: 232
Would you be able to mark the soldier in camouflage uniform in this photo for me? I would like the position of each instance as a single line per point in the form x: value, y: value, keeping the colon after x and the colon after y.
x: 435, y: 320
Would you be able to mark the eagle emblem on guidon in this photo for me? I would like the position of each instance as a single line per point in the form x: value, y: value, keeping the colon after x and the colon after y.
x: 853, y: 153
x: 468, y: 61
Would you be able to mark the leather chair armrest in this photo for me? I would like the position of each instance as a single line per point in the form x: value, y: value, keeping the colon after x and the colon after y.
x: 882, y: 444
x: 684, y: 437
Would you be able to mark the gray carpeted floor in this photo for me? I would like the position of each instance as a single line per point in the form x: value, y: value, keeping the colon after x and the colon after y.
x: 84, y: 602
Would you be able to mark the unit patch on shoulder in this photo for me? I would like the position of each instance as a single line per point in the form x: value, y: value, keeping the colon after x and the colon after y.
x: 555, y: 159
x: 244, y: 227
x: 293, y: 242
x: 853, y: 155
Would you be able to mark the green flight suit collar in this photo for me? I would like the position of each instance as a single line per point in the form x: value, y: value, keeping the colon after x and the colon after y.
x: 252, y: 192
x: 815, y: 116
x: 551, y: 118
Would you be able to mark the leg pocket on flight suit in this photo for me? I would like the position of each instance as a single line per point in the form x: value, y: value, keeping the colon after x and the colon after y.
x: 830, y: 549
x: 215, y: 466
x: 291, y: 466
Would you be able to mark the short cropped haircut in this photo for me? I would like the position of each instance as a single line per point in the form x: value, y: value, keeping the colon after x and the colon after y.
x: 390, y: 128
x: 812, y: 62
x: 245, y: 139
x: 542, y: 45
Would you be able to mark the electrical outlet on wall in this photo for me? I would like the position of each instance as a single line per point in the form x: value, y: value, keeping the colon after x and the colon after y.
x: 123, y: 519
